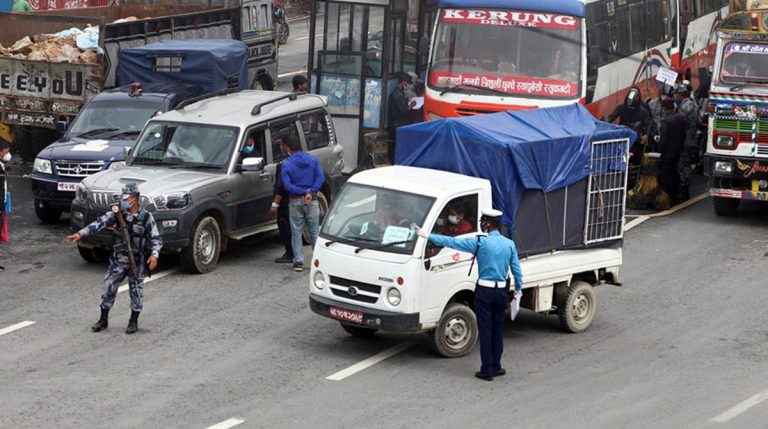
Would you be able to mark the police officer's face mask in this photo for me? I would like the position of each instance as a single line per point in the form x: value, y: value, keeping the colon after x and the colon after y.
x: 125, y: 205
x: 7, y: 158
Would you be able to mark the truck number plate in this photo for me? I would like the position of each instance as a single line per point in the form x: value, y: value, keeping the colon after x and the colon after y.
x: 762, y: 196
x: 346, y: 315
x: 66, y: 186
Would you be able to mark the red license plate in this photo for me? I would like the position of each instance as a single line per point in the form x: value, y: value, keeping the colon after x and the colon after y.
x: 346, y: 315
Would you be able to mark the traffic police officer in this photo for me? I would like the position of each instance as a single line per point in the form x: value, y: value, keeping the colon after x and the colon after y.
x: 496, y: 256
x: 142, y: 228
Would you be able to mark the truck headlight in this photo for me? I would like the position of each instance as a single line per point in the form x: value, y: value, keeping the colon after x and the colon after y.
x: 724, y: 141
x: 172, y: 201
x: 393, y: 296
x: 81, y: 193
x: 723, y: 167
x: 319, y: 280
x: 42, y: 166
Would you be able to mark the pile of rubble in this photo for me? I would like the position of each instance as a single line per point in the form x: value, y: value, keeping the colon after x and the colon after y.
x: 50, y: 47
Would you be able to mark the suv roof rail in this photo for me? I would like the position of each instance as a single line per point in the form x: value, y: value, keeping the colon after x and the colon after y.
x: 187, y: 102
x: 292, y: 96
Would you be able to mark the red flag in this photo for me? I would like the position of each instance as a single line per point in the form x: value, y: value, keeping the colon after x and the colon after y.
x: 4, y: 230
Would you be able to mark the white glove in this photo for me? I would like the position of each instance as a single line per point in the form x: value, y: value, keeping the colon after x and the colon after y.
x: 421, y: 233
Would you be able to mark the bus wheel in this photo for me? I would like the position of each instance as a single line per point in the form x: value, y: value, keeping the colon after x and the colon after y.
x: 726, y: 206
x: 456, y: 333
x: 579, y: 308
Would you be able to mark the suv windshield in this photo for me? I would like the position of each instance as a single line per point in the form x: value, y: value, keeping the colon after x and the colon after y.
x: 744, y: 63
x: 113, y: 117
x: 517, y: 53
x: 376, y: 218
x: 184, y: 145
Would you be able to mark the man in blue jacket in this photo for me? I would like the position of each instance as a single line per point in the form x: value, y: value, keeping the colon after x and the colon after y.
x: 302, y: 177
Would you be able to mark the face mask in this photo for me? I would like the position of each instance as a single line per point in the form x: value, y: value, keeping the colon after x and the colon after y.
x: 248, y: 149
x: 125, y: 205
x: 453, y: 219
x: 7, y: 158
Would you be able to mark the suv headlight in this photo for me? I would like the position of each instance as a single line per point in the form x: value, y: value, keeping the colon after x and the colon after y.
x: 172, y: 201
x: 42, y: 166
x: 81, y: 193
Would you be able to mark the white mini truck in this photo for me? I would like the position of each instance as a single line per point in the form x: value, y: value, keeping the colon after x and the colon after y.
x: 401, y: 283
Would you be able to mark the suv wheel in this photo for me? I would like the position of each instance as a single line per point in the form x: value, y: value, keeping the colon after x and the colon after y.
x: 322, y: 202
x: 202, y: 254
x: 45, y: 213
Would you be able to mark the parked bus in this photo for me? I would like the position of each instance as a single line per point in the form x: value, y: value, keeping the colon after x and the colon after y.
x: 492, y: 55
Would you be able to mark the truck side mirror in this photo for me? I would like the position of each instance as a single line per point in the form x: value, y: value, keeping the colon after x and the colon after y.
x: 253, y: 164
x: 427, y: 264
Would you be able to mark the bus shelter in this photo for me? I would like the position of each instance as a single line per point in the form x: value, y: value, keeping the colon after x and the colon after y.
x: 357, y: 51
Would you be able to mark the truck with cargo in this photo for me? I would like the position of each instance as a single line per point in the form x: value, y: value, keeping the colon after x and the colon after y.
x: 40, y: 86
x: 562, y: 192
x: 736, y: 157
x: 108, y: 124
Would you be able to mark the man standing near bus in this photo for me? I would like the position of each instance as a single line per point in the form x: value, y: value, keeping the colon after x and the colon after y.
x: 399, y: 112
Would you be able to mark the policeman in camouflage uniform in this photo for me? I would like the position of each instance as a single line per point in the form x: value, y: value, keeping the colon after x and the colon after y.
x: 142, y: 229
x: 690, y: 110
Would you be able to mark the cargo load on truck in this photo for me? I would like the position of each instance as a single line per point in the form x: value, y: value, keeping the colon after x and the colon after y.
x: 558, y: 175
x: 213, y: 64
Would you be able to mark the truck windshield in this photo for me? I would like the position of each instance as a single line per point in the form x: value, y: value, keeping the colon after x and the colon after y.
x: 744, y: 63
x: 113, y: 117
x: 535, y: 55
x: 184, y: 145
x: 376, y: 218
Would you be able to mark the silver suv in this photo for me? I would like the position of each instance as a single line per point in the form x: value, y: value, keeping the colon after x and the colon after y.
x: 197, y: 181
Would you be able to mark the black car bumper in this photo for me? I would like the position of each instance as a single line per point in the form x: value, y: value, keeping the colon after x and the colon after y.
x: 371, y: 318
x: 174, y: 237
x: 45, y: 189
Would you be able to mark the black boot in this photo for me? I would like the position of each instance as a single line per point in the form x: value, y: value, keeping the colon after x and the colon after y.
x: 102, y: 323
x: 133, y: 323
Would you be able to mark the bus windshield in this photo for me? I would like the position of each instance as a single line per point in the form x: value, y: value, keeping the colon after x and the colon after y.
x: 744, y: 63
x: 518, y: 53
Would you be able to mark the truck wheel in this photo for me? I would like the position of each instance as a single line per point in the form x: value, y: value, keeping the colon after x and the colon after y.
x: 45, y: 213
x: 202, y: 254
x: 357, y: 331
x: 93, y: 256
x: 283, y: 31
x: 726, y: 206
x: 456, y: 333
x: 579, y: 308
x: 322, y: 203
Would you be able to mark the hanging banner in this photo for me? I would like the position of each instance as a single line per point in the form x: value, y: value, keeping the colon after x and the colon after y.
x: 510, y: 18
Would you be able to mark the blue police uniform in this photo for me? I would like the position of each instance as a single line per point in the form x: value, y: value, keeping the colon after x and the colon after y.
x: 496, y: 256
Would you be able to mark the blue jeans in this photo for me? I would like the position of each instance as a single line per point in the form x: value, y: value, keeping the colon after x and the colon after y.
x: 303, y: 214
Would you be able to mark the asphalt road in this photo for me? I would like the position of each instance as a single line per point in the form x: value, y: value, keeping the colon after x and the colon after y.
x: 293, y: 55
x: 680, y: 344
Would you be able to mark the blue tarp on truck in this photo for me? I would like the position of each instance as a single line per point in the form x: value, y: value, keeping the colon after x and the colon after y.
x: 523, y: 154
x: 212, y: 64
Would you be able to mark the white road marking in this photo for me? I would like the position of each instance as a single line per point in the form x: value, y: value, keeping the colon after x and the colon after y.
x: 16, y: 327
x: 157, y: 276
x: 291, y: 73
x: 229, y: 423
x: 635, y: 222
x: 742, y: 407
x: 373, y: 360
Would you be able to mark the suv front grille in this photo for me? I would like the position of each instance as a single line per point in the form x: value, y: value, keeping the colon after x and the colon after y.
x: 67, y: 168
x: 363, y: 292
x: 103, y: 199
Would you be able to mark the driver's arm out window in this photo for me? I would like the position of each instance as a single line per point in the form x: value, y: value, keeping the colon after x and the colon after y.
x: 458, y: 217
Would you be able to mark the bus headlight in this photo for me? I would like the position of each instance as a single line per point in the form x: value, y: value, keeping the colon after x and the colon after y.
x: 319, y: 280
x: 393, y: 296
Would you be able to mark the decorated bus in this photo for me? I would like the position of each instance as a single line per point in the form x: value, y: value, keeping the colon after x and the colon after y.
x: 493, y: 55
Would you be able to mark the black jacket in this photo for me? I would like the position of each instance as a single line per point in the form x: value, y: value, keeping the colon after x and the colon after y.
x: 398, y: 107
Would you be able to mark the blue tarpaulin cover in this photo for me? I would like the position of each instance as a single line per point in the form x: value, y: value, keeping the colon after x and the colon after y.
x: 211, y: 64
x: 541, y: 149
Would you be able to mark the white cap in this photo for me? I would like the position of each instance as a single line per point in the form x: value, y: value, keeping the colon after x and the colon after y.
x: 491, y: 213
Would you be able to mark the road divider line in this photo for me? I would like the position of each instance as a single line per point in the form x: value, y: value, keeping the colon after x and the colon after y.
x: 741, y: 407
x: 157, y: 276
x: 229, y: 423
x: 635, y: 222
x: 291, y: 73
x: 373, y: 360
x: 681, y: 206
x: 16, y: 327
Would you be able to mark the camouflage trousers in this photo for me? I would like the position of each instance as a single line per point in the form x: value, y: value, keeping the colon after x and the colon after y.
x: 116, y: 273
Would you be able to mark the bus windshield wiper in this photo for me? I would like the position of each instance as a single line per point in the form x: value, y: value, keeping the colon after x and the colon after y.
x: 464, y: 85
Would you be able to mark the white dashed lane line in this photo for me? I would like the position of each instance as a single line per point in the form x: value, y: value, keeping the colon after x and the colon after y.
x: 373, y: 360
x: 157, y: 276
x: 741, y: 407
x: 229, y: 423
x: 16, y: 327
